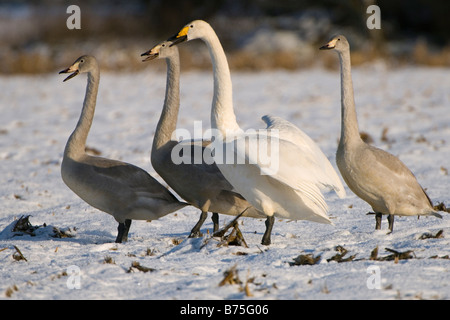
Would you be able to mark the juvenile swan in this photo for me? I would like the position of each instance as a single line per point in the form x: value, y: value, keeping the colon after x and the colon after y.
x: 198, y: 183
x: 120, y: 189
x: 293, y: 189
x: 376, y: 176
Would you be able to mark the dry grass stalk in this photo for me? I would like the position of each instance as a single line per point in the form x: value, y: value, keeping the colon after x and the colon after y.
x: 10, y: 290
x: 18, y: 255
x: 374, y: 254
x: 235, y: 238
x: 427, y: 235
x: 108, y: 260
x: 441, y: 207
x: 230, y: 277
x: 305, y: 259
x: 137, y: 265
x: 339, y: 257
x: 24, y: 225
x: 396, y: 255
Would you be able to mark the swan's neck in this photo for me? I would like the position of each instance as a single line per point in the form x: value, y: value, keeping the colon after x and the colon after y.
x: 168, y: 119
x: 76, y: 144
x: 349, y: 122
x: 222, y: 114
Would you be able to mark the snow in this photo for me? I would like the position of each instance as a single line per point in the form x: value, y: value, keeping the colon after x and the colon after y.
x: 410, y: 104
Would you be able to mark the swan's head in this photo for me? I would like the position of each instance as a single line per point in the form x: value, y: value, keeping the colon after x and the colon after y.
x: 161, y: 50
x: 196, y: 29
x: 338, y: 43
x: 81, y: 65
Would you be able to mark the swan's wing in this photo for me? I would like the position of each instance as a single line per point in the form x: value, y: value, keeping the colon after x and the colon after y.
x: 125, y: 175
x: 393, y: 173
x: 325, y: 172
x: 281, y: 179
x: 291, y: 166
x: 197, y: 158
x: 189, y: 169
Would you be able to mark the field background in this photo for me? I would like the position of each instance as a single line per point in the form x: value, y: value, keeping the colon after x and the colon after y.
x: 256, y: 34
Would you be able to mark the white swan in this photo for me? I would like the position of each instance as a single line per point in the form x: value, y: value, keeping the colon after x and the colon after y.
x: 200, y: 184
x: 294, y: 190
x: 120, y: 189
x: 376, y: 176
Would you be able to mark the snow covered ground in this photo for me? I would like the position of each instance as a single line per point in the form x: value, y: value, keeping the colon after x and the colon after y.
x: 405, y: 111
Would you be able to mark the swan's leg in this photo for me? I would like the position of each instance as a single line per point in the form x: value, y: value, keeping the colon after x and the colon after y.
x: 391, y: 223
x: 127, y: 228
x: 122, y: 231
x: 269, y: 225
x: 195, y: 232
x: 215, y: 219
x: 378, y: 216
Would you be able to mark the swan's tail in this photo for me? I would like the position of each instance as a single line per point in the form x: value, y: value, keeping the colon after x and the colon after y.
x: 434, y: 213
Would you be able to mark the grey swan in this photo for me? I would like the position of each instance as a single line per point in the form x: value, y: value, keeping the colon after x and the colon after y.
x: 199, y: 183
x: 120, y: 189
x: 374, y: 175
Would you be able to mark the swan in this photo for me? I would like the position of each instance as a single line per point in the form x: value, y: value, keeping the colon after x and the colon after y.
x: 374, y: 175
x: 120, y: 189
x: 200, y: 184
x: 293, y: 191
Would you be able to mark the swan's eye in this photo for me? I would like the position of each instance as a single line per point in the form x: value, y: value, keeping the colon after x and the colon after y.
x: 163, y: 45
x: 82, y: 60
x: 192, y: 25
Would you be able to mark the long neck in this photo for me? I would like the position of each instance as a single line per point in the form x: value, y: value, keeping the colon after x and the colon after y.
x: 349, y: 122
x: 222, y: 114
x: 76, y: 144
x: 169, y: 115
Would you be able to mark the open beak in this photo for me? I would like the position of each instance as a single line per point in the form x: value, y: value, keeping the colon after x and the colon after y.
x: 69, y: 70
x: 180, y: 37
x: 150, y: 55
x: 329, y: 45
x: 326, y: 47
